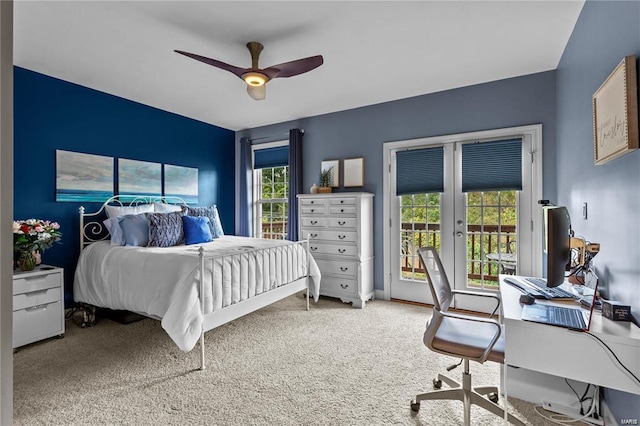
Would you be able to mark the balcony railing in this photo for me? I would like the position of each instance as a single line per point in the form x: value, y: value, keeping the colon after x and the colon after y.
x: 497, y: 239
x: 494, y: 242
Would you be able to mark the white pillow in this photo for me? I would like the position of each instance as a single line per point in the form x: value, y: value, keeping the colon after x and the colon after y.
x: 115, y: 211
x: 166, y: 208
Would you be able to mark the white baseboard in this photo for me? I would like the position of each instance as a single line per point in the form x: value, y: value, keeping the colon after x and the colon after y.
x: 379, y: 295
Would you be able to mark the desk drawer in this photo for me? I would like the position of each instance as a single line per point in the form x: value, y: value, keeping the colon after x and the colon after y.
x: 36, y: 283
x: 334, y: 249
x: 35, y: 298
x: 338, y: 267
x: 37, y: 323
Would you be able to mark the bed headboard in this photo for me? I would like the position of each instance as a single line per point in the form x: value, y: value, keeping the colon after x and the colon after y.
x: 91, y: 227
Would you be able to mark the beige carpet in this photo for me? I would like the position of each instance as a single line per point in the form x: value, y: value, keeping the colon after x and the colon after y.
x: 282, y: 365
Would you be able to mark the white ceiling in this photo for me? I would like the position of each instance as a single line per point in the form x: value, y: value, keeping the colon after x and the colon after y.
x: 373, y: 51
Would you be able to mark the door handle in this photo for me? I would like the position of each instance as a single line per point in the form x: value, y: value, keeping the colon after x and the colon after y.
x: 459, y: 234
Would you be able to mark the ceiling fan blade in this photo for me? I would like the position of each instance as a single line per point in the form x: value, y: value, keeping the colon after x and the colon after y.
x: 257, y: 92
x: 214, y: 62
x: 289, y: 69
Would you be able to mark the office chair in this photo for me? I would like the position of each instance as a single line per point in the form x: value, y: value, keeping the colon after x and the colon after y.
x: 468, y: 337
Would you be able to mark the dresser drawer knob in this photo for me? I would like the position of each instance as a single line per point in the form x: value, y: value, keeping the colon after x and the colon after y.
x: 344, y: 286
x: 341, y: 223
x: 314, y: 222
x: 343, y: 268
x: 311, y: 210
x: 341, y: 201
x: 341, y: 210
x: 342, y: 237
x: 341, y: 250
x: 313, y: 248
x: 312, y: 201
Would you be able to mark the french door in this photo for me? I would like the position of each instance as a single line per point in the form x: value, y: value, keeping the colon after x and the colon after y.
x: 478, y: 233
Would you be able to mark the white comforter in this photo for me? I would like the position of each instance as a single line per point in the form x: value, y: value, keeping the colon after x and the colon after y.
x: 164, y: 283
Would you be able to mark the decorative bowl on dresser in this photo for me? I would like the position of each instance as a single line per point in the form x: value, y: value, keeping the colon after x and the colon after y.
x: 38, y: 304
x: 340, y: 231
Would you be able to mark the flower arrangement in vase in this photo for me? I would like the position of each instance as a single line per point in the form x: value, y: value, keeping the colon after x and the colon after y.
x: 31, y: 237
x: 325, y: 180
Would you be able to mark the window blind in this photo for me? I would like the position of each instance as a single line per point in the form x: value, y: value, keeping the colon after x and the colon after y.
x: 271, y: 157
x: 420, y: 171
x: 492, y: 166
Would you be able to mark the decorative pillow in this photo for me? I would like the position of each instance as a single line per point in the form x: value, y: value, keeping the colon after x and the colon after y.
x: 135, y: 228
x: 196, y: 229
x: 166, y: 208
x: 115, y: 211
x: 113, y: 226
x: 211, y: 213
x: 165, y: 229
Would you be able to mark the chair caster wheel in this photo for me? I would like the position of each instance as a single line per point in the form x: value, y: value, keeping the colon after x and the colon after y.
x: 493, y: 397
x: 83, y: 325
x: 437, y: 383
x: 415, y: 406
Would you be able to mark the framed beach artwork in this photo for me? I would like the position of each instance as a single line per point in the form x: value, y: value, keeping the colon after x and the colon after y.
x: 181, y: 182
x: 83, y: 177
x: 139, y: 178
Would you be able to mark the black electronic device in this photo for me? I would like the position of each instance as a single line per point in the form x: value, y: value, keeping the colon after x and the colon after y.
x: 527, y: 299
x: 558, y: 244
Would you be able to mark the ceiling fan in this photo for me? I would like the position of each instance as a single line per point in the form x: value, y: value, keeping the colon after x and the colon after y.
x: 257, y: 78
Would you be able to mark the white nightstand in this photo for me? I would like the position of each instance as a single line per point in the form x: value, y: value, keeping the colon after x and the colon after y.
x: 38, y: 304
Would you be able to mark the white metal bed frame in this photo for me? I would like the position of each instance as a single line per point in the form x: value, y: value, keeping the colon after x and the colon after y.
x: 93, y: 230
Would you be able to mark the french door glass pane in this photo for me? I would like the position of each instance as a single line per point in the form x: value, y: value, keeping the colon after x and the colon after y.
x: 491, y: 237
x: 420, y: 227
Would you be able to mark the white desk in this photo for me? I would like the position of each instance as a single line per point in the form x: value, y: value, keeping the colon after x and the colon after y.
x: 565, y: 353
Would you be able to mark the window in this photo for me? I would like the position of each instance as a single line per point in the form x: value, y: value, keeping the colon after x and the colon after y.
x: 271, y: 191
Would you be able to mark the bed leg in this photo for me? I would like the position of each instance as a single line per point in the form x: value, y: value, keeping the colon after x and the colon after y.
x: 308, y: 289
x: 202, y: 366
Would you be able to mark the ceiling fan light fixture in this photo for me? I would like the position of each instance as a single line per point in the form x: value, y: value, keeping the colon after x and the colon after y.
x: 255, y: 79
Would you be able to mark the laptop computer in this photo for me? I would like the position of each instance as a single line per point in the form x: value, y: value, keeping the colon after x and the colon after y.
x: 574, y: 317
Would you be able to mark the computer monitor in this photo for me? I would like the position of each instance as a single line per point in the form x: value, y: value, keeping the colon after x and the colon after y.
x: 558, y: 239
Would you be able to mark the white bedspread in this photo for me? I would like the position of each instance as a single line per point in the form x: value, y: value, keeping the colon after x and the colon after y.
x: 164, y: 283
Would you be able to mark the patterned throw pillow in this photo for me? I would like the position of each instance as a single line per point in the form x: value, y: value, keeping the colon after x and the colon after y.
x: 165, y: 229
x: 211, y: 213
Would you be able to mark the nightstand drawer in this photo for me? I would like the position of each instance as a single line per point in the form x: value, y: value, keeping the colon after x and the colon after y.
x: 337, y: 285
x: 36, y: 323
x: 337, y: 267
x: 335, y: 249
x: 36, y: 283
x: 35, y: 298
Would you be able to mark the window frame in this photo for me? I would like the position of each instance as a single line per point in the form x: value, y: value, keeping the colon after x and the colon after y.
x: 257, y: 200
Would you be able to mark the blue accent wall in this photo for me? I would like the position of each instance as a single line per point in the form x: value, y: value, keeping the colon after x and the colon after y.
x: 53, y: 114
x: 361, y: 132
x: 605, y: 33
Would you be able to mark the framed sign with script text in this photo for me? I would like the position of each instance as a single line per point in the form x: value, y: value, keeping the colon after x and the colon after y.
x: 615, y: 113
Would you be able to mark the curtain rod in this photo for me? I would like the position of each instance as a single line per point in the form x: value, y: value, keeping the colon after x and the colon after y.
x: 272, y: 136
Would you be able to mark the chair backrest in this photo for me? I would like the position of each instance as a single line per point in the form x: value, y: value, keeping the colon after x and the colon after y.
x: 436, y: 278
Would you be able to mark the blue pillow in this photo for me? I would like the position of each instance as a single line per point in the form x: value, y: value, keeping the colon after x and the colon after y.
x: 135, y: 228
x: 211, y: 213
x: 115, y: 231
x: 196, y: 229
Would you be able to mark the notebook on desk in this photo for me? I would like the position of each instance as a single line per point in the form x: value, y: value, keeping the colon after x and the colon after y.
x: 573, y: 318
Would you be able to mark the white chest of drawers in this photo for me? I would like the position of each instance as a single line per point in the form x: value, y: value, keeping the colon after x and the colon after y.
x: 340, y: 230
x: 38, y: 304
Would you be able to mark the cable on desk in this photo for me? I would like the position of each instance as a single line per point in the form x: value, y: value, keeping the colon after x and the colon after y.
x: 615, y: 356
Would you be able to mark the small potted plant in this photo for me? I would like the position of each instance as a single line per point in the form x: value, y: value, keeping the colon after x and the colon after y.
x: 325, y: 181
